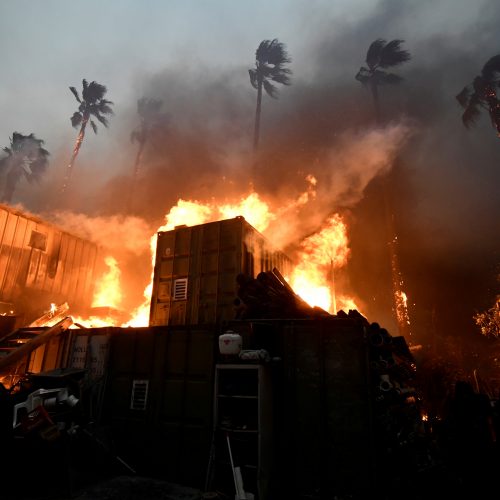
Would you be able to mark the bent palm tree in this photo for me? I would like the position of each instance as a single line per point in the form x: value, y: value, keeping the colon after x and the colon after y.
x: 482, y: 94
x: 150, y: 120
x: 25, y: 157
x: 270, y: 58
x: 92, y: 104
x: 382, y: 55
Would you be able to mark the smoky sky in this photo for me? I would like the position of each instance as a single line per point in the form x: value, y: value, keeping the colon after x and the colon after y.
x: 444, y: 179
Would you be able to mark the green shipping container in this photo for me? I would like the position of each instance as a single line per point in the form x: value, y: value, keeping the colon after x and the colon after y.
x: 196, y: 268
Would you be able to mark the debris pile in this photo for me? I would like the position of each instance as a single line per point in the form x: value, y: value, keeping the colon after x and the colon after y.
x: 270, y: 296
x: 398, y: 420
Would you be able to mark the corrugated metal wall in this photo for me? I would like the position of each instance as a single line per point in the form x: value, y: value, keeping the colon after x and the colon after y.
x: 170, y: 437
x: 196, y: 268
x: 39, y: 261
x: 326, y: 441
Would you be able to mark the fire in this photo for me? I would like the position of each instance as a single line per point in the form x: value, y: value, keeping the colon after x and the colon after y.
x: 252, y: 208
x: 108, y: 291
x: 313, y: 278
x: 191, y: 213
x: 321, y: 253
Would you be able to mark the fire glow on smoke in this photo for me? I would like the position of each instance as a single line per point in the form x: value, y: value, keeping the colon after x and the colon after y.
x: 320, y: 255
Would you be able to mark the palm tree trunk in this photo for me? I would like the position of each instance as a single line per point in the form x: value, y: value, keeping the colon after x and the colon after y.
x: 137, y: 167
x: 399, y: 305
x: 76, y: 150
x: 256, y: 133
x: 10, y: 183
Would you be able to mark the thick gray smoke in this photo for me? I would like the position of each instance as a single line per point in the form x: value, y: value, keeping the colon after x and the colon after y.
x: 444, y: 178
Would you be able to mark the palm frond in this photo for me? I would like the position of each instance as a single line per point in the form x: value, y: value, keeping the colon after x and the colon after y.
x: 94, y: 126
x: 373, y: 54
x: 463, y: 97
x: 272, y: 52
x: 491, y: 70
x: 494, y: 111
x: 384, y: 78
x: 393, y: 55
x: 95, y: 92
x: 472, y: 111
x: 85, y: 87
x: 363, y: 75
x: 270, y: 89
x: 146, y: 107
x: 102, y: 119
x: 282, y: 78
x: 76, y: 119
x: 262, y: 50
x: 253, y: 78
x: 75, y: 93
x: 38, y: 168
x: 104, y: 108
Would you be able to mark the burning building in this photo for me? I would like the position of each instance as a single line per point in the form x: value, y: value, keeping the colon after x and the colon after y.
x: 41, y: 264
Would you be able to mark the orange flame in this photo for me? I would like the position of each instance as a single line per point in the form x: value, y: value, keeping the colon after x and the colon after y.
x: 313, y: 278
x: 108, y: 291
x: 321, y: 253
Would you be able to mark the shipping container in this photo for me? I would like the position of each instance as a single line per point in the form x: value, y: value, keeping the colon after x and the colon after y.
x: 158, y: 400
x: 196, y: 268
x: 41, y: 264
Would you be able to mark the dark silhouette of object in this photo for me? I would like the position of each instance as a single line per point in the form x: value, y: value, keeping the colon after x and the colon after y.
x: 270, y: 59
x: 151, y: 120
x: 92, y: 104
x: 469, y: 441
x: 482, y: 94
x: 380, y: 56
x: 25, y: 157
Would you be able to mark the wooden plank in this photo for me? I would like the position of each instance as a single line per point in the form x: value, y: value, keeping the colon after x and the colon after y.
x: 40, y: 339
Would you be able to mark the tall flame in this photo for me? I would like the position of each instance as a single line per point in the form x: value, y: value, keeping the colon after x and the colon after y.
x: 313, y: 278
x: 321, y: 253
x: 108, y: 290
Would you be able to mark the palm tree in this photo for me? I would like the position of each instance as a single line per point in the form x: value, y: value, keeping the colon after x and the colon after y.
x: 92, y: 104
x: 382, y: 55
x: 270, y: 58
x: 482, y: 94
x: 25, y: 157
x: 150, y: 120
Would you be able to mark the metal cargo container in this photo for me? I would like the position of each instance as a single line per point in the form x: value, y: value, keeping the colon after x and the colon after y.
x: 196, y: 268
x: 158, y: 400
x: 40, y: 264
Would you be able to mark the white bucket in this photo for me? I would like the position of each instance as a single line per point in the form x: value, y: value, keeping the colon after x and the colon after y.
x: 230, y: 343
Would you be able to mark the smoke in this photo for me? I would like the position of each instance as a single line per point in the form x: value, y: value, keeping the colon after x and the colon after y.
x: 115, y: 233
x: 122, y: 240
x: 444, y: 178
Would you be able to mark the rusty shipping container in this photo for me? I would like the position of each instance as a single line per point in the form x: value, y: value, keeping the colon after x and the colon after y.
x: 41, y: 264
x: 196, y: 267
